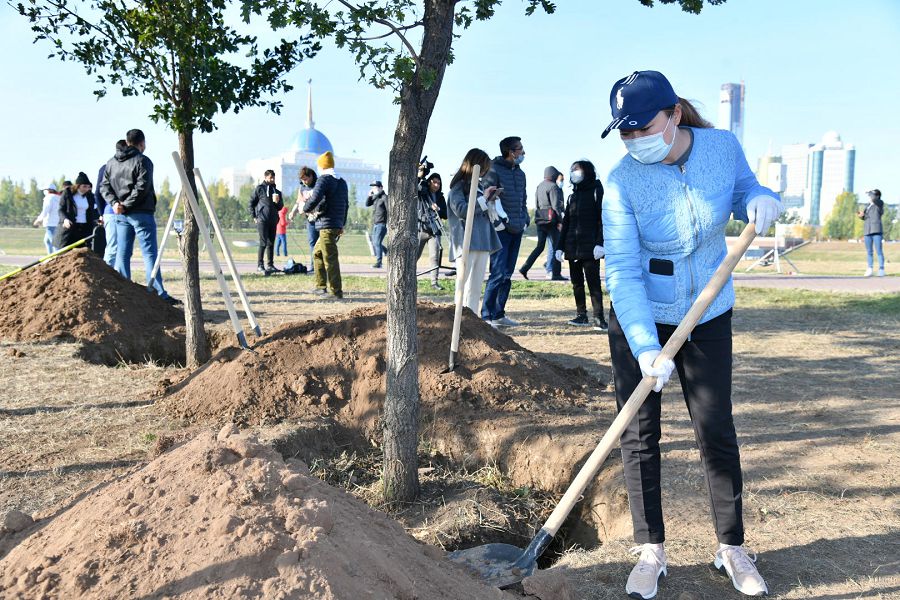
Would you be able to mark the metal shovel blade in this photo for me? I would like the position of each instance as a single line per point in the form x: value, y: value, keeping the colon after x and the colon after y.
x: 499, y: 565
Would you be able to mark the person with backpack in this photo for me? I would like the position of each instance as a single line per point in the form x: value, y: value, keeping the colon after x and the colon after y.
x: 548, y: 220
x: 581, y: 242
x: 665, y: 209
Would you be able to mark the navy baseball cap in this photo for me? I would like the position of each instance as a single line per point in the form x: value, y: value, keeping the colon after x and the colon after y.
x: 636, y: 99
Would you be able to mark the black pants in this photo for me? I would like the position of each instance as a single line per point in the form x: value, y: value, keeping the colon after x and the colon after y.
x: 704, y: 367
x: 543, y: 232
x: 266, y: 230
x: 579, y: 271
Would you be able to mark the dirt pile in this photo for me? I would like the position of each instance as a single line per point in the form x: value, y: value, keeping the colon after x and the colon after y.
x: 336, y: 366
x: 79, y: 297
x: 223, y: 516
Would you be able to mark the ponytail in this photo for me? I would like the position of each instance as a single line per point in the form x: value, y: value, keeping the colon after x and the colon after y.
x: 690, y: 116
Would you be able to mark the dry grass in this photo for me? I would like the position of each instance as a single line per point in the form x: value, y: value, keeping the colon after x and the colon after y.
x: 817, y: 409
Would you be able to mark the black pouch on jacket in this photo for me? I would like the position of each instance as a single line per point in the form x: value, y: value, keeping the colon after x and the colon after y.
x: 659, y: 266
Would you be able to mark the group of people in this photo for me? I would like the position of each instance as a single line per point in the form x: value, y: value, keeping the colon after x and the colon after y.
x: 323, y: 200
x: 120, y: 211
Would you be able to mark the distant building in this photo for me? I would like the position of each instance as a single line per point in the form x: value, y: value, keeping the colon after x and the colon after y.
x: 731, y: 109
x: 815, y: 175
x: 304, y: 149
x: 795, y: 160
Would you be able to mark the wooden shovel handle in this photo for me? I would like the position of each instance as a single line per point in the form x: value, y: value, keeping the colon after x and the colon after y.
x: 611, y: 438
x: 467, y: 241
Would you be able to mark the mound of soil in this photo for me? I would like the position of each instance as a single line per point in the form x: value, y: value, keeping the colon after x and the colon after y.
x: 223, y: 516
x: 78, y: 297
x: 336, y: 366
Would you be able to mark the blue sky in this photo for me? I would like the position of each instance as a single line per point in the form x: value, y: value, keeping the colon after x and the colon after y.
x: 809, y: 66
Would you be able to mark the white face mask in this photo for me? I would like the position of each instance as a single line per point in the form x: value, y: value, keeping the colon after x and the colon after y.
x: 650, y: 148
x: 577, y: 176
x: 560, y: 184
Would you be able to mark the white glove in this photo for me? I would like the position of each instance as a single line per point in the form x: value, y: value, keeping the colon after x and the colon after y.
x: 558, y: 255
x: 763, y: 210
x: 67, y: 224
x: 661, y: 372
x: 599, y: 252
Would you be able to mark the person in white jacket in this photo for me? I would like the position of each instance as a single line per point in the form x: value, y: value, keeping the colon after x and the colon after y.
x: 49, y: 217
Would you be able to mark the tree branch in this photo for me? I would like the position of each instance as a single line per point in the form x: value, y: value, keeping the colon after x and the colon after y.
x: 394, y: 29
x: 60, y: 6
x: 389, y: 33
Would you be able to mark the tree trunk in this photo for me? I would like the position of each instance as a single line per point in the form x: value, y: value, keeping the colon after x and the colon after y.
x: 401, y: 405
x: 195, y: 344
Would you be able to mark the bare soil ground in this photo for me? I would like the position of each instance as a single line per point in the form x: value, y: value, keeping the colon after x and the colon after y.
x: 816, y: 403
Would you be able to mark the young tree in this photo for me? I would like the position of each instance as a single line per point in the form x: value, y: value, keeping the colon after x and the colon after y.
x: 405, y: 46
x: 841, y: 222
x: 177, y: 52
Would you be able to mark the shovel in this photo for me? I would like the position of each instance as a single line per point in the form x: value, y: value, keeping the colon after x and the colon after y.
x: 50, y: 256
x: 503, y: 565
x: 461, y: 276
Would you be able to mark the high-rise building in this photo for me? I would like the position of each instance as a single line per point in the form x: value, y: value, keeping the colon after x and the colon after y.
x: 831, y: 170
x: 815, y: 175
x: 731, y: 109
x: 795, y: 160
x: 304, y: 149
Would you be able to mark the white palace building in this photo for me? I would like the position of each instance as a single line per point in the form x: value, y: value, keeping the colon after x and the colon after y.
x: 305, y: 148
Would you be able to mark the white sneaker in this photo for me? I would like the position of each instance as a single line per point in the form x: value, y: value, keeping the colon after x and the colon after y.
x: 506, y: 322
x: 868, y: 272
x: 881, y: 272
x: 642, y: 583
x: 737, y: 563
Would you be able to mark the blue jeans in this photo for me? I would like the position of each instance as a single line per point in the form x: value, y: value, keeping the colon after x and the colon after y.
x: 281, y: 243
x: 551, y: 255
x: 503, y: 264
x: 49, y: 233
x: 112, y: 237
x: 873, y: 242
x: 379, y: 230
x: 142, y: 226
x: 312, y: 235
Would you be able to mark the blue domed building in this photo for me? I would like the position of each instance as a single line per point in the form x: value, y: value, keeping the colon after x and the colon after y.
x: 305, y: 147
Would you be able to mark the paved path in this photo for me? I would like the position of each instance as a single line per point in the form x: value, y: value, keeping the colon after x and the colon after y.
x: 825, y: 283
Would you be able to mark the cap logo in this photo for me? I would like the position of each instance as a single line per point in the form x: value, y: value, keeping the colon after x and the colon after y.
x: 619, y: 99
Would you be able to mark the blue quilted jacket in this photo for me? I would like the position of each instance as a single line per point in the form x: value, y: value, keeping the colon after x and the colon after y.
x: 664, y: 233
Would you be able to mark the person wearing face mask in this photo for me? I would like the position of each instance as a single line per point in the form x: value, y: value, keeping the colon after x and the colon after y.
x: 379, y: 200
x: 506, y: 175
x: 581, y: 242
x: 664, y: 214
x: 551, y: 249
x: 77, y: 213
x: 548, y: 201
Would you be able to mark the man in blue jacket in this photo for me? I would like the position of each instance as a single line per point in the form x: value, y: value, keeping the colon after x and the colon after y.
x: 506, y: 174
x: 329, y: 201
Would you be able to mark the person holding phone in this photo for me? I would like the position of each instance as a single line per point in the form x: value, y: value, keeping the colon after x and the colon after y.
x: 664, y: 213
x: 485, y: 240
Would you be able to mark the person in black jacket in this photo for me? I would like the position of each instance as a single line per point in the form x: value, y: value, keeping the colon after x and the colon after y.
x: 265, y: 202
x: 548, y: 219
x: 432, y: 207
x: 873, y: 232
x: 581, y: 242
x: 77, y: 213
x: 128, y: 187
x: 379, y: 200
x: 329, y: 201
